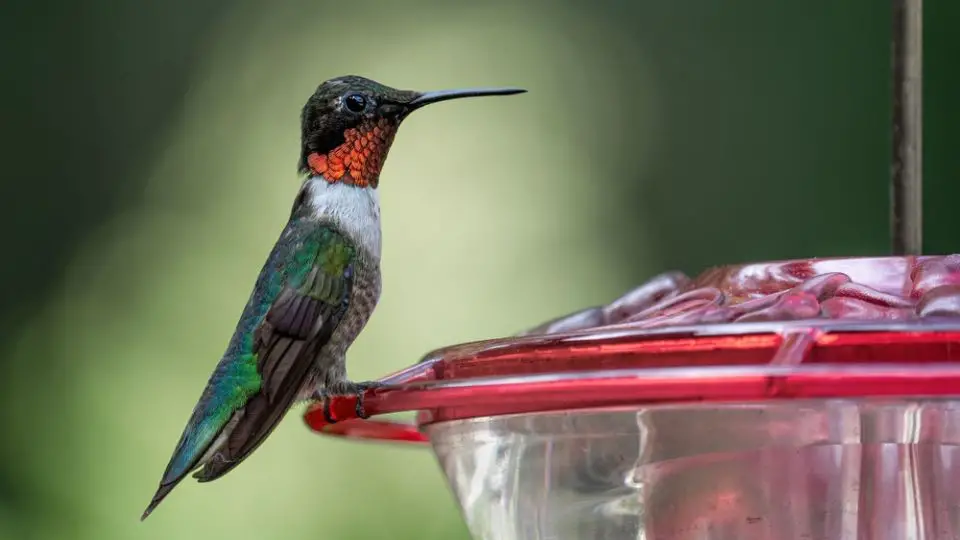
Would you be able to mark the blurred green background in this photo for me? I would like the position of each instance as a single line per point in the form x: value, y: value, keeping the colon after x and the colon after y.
x: 150, y: 148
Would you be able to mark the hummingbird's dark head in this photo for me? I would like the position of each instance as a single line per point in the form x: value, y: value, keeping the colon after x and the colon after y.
x: 349, y: 123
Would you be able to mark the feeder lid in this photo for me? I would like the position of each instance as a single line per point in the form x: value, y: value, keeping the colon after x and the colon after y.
x: 816, y: 328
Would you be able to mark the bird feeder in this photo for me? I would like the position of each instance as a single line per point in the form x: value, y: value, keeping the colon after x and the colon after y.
x: 809, y: 399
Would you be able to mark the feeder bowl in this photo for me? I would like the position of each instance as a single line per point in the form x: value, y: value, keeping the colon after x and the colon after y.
x: 814, y: 400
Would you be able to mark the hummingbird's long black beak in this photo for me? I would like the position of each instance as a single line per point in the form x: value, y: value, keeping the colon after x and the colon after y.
x: 427, y: 98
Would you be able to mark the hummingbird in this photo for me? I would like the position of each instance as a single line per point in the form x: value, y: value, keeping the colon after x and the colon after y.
x: 318, y: 287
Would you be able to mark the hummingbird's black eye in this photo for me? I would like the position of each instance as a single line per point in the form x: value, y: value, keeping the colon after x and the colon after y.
x: 355, y: 103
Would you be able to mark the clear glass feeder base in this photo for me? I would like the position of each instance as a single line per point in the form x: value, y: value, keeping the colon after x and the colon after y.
x: 792, y: 470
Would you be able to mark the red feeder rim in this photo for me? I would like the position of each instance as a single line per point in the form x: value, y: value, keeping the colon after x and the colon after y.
x: 827, y: 328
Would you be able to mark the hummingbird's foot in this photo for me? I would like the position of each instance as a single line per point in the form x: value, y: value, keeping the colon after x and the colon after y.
x: 344, y: 388
x: 322, y: 397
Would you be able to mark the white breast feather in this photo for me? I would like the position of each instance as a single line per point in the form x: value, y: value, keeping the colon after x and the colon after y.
x: 355, y: 210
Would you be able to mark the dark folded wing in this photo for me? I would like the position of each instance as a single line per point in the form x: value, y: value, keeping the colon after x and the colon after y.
x: 300, y: 321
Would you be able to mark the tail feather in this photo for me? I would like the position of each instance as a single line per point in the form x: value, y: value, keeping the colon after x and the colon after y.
x: 205, y: 426
x: 158, y: 497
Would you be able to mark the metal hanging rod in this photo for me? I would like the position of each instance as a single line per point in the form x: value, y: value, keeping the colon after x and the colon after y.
x: 906, y: 182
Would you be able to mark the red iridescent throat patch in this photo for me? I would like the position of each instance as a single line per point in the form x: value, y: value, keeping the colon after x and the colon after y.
x: 359, y: 159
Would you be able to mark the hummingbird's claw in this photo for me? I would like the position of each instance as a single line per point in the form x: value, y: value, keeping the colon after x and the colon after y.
x: 361, y: 414
x: 360, y: 389
x: 344, y: 388
x: 323, y: 396
x: 327, y: 414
